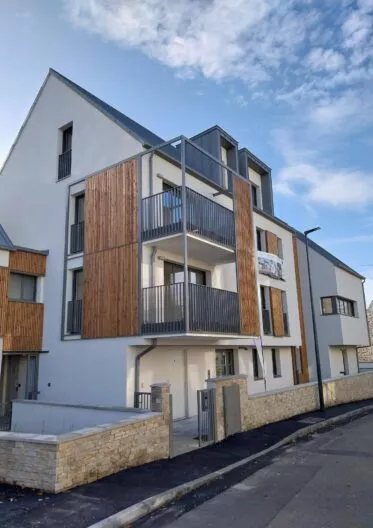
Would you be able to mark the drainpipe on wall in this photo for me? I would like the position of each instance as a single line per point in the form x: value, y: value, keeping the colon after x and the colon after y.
x: 137, y: 363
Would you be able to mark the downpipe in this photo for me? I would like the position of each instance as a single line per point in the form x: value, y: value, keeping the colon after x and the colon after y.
x: 138, y: 362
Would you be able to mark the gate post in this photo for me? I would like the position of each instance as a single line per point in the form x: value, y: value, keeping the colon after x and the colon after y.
x: 218, y: 384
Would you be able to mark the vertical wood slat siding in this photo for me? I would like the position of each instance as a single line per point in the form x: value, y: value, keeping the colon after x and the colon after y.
x: 4, y: 279
x: 245, y: 258
x: 23, y: 327
x: 272, y: 243
x: 303, y: 348
x: 27, y: 262
x: 277, y: 312
x: 111, y: 296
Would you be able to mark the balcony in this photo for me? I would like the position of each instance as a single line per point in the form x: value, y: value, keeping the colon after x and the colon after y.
x: 64, y: 165
x: 77, y: 237
x: 74, y: 317
x: 210, y: 310
x: 210, y: 226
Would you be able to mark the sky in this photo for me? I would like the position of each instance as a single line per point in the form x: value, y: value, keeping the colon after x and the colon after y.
x: 291, y: 80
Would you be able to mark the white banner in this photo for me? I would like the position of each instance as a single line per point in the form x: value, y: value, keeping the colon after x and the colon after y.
x: 270, y: 265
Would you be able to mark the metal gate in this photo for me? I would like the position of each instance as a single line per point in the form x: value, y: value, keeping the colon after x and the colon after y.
x: 206, y: 416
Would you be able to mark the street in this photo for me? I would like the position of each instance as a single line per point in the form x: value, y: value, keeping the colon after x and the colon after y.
x: 325, y: 482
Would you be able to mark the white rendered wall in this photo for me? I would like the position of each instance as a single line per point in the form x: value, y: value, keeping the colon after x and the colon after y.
x: 201, y: 362
x: 354, y: 329
x: 288, y: 284
x: 336, y: 361
x: 87, y: 371
x: 270, y: 382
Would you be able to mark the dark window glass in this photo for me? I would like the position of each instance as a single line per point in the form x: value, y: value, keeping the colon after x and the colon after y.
x: 254, y: 193
x: 79, y: 209
x: 67, y: 139
x: 276, y: 365
x: 174, y: 273
x: 259, y: 244
x: 257, y: 367
x: 263, y: 298
x: 280, y: 251
x: 224, y: 362
x: 22, y: 287
x: 78, y: 285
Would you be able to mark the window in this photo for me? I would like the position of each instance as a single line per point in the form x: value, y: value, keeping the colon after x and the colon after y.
x: 257, y: 366
x: 285, y: 312
x: 260, y: 240
x: 67, y: 139
x: 337, y: 305
x: 22, y: 287
x: 255, y: 195
x: 276, y: 363
x: 224, y: 362
x: 345, y: 362
x: 266, y: 313
x: 79, y: 208
x: 280, y: 251
x: 174, y: 273
x: 78, y: 285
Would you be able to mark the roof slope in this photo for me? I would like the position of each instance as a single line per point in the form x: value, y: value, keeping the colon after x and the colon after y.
x: 5, y: 242
x: 324, y: 253
x: 147, y: 137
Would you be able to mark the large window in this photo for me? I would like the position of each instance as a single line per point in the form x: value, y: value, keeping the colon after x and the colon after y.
x: 174, y: 273
x: 78, y: 285
x: 257, y: 366
x: 224, y: 362
x: 338, y: 305
x: 67, y: 139
x: 22, y: 287
x: 79, y: 208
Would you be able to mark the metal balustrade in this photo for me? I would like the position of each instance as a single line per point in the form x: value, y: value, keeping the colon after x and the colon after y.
x: 74, y: 316
x: 162, y: 215
x: 64, y: 164
x: 210, y: 310
x: 77, y: 237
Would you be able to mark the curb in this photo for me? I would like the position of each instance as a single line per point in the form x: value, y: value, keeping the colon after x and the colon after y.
x: 145, y: 507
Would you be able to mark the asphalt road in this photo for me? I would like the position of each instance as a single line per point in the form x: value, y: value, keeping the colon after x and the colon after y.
x: 324, y: 483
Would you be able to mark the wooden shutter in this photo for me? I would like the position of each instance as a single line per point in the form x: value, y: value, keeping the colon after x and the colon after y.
x: 303, y: 348
x: 111, y: 293
x: 4, y: 278
x: 272, y: 243
x: 277, y: 312
x: 245, y: 256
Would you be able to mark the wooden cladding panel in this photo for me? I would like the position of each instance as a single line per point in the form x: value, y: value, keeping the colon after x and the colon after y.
x: 27, y: 262
x: 303, y: 348
x: 245, y: 258
x: 277, y: 312
x: 111, y: 293
x: 23, y: 327
x: 4, y: 278
x: 272, y: 243
x: 111, y: 208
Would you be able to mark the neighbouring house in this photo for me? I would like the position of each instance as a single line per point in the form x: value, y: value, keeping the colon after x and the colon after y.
x: 365, y: 354
x: 339, y: 301
x: 165, y: 263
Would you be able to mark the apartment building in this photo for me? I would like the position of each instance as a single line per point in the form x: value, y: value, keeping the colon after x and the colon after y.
x: 339, y: 301
x: 164, y: 260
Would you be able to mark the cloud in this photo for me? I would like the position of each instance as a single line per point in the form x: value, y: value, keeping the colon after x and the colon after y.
x: 260, y: 42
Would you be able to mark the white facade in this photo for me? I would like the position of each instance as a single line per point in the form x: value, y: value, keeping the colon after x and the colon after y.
x: 101, y: 371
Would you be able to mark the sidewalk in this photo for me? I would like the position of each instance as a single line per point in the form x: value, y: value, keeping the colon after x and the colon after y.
x: 91, y: 503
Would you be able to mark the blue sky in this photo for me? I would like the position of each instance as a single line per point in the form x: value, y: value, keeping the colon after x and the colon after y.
x: 289, y: 79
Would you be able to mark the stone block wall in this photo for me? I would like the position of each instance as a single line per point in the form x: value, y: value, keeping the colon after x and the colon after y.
x: 57, y: 463
x: 274, y: 406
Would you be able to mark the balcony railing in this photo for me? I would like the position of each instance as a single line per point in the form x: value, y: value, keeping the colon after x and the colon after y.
x: 210, y: 310
x: 74, y: 316
x: 162, y: 215
x: 77, y: 238
x: 64, y: 164
x: 266, y: 316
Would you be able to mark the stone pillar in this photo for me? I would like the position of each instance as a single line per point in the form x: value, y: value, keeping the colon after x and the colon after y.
x: 218, y: 384
x: 160, y: 398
